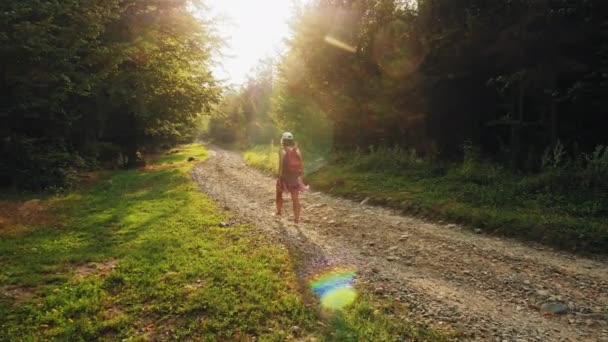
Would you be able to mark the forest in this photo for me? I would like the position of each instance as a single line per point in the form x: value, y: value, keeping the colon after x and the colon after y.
x: 98, y: 81
x: 93, y: 84
x: 513, y: 79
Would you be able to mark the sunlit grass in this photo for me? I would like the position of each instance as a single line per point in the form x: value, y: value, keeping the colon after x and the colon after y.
x: 266, y: 158
x: 374, y: 319
x: 263, y: 157
x: 177, y: 274
x: 181, y: 154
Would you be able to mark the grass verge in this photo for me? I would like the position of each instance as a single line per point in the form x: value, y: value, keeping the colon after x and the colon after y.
x: 266, y: 158
x: 263, y: 157
x: 140, y: 255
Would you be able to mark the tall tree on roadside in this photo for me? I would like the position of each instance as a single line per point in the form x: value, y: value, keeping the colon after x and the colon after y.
x: 132, y: 73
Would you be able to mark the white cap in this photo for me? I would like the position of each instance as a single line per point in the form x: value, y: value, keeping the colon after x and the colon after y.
x: 287, y: 136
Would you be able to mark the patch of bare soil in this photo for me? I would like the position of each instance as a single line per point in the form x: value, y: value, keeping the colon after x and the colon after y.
x: 191, y: 288
x: 161, y: 330
x: 95, y: 269
x: 153, y: 167
x: 450, y: 278
x: 89, y: 178
x: 20, y: 217
x: 17, y: 294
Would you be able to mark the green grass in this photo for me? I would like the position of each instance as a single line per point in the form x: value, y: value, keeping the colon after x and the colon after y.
x: 263, y: 157
x: 140, y: 254
x: 266, y: 158
x: 373, y: 319
x: 552, y: 208
x: 181, y: 154
x: 177, y: 272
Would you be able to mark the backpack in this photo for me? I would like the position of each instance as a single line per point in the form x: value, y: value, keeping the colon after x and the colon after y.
x: 292, y: 163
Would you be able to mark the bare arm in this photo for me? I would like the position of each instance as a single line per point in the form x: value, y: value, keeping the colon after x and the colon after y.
x: 300, y: 155
x: 280, y: 162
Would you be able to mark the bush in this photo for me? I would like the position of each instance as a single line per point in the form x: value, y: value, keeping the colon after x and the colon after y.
x: 221, y: 132
x: 384, y: 159
x: 102, y: 154
x: 588, y: 170
x: 597, y: 166
x: 35, y: 164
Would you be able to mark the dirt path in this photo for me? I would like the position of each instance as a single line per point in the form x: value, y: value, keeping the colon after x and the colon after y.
x: 488, y: 288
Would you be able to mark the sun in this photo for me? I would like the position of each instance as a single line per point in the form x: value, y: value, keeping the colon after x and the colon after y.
x: 252, y: 29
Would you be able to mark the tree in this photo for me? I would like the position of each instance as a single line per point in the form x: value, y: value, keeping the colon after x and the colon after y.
x: 81, y: 74
x: 513, y: 77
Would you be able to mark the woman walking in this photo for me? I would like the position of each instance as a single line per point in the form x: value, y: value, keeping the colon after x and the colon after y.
x: 290, y: 174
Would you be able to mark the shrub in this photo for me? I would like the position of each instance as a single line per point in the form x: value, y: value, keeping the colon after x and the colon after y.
x: 36, y: 164
x: 589, y: 170
x: 384, y: 159
x: 109, y: 155
x: 555, y: 157
x: 597, y: 165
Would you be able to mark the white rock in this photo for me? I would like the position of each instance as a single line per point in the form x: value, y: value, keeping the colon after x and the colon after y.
x: 542, y: 293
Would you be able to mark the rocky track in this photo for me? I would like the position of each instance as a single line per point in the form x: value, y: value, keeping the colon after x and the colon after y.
x: 450, y: 278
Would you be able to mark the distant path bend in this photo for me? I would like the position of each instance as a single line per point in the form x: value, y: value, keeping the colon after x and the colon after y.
x: 487, y: 287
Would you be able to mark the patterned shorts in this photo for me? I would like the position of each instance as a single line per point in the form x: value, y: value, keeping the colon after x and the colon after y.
x: 291, y: 183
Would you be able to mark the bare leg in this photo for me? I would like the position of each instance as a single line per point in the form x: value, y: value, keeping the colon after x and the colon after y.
x: 279, y: 198
x: 295, y: 198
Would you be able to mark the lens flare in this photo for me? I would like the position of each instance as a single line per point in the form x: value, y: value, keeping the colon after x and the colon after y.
x: 396, y: 50
x: 340, y: 44
x: 335, y: 288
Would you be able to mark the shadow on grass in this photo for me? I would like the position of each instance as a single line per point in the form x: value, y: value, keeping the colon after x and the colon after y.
x: 102, y: 222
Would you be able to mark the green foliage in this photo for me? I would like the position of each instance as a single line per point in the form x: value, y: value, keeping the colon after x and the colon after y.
x: 131, y: 73
x: 589, y: 170
x: 510, y: 76
x: 298, y: 113
x: 437, y: 75
x: 597, y: 162
x: 555, y: 158
x: 106, y: 154
x: 227, y: 123
x: 382, y: 159
x: 39, y: 164
x: 243, y: 116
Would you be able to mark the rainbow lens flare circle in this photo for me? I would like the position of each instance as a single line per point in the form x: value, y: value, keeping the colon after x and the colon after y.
x: 335, y: 288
